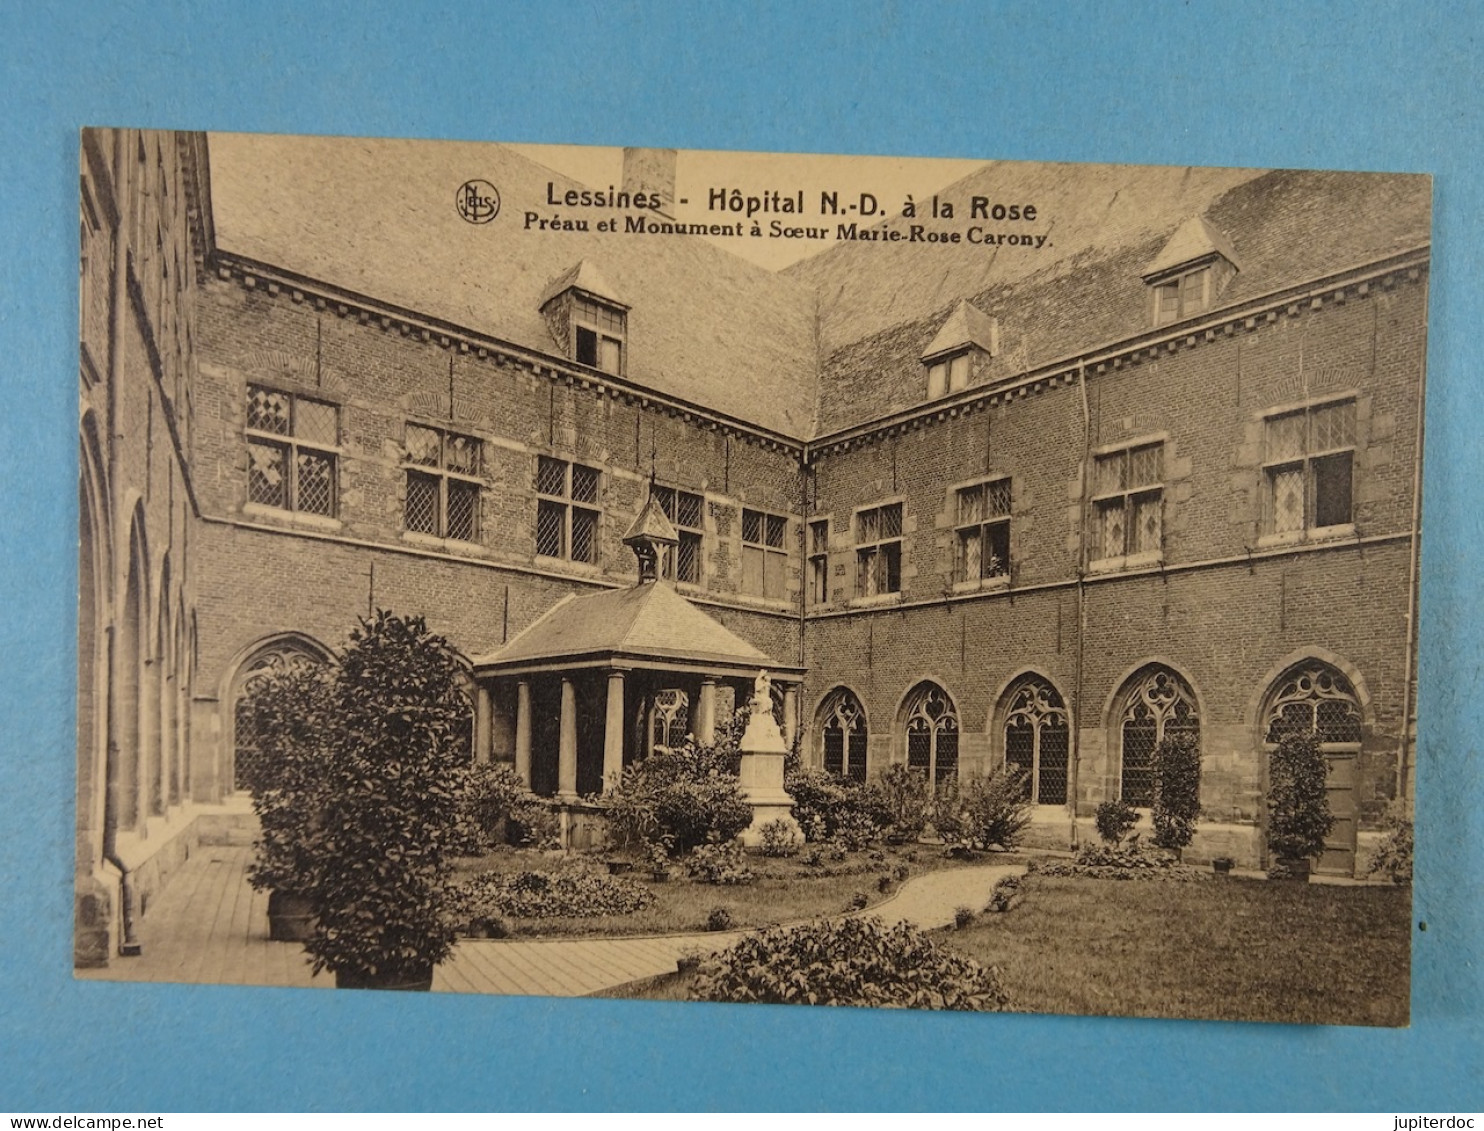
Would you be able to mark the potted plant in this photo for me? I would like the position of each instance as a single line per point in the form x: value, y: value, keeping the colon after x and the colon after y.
x: 381, y: 853
x: 1298, y: 804
x: 1222, y: 865
x: 659, y: 861
x: 286, y: 716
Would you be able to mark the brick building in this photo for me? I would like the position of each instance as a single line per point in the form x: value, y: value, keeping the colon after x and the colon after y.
x: 980, y: 503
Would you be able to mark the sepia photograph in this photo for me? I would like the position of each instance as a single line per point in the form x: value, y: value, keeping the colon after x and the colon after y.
x: 678, y: 575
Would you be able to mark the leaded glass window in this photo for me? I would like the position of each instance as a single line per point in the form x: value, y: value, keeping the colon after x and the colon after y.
x: 1159, y: 705
x: 1128, y: 501
x: 1308, y: 465
x: 292, y: 449
x: 282, y: 657
x: 843, y: 735
x: 878, y: 554
x: 566, y: 510
x: 932, y: 733
x: 684, y: 509
x: 669, y: 719
x: 1314, y: 699
x: 819, y: 561
x: 1037, y: 739
x: 442, y: 483
x: 983, y: 530
x: 764, y: 554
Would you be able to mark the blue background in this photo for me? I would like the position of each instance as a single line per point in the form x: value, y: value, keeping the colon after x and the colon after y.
x: 1330, y: 85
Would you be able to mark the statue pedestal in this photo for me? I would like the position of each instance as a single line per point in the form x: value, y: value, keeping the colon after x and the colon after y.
x: 761, y: 778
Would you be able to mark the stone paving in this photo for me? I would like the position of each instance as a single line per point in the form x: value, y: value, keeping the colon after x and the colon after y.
x: 209, y: 926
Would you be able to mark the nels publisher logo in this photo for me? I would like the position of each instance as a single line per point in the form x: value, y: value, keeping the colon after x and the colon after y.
x: 477, y: 201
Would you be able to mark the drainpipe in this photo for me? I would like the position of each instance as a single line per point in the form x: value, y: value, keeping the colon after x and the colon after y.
x: 1076, y: 752
x: 128, y: 944
x: 1413, y: 567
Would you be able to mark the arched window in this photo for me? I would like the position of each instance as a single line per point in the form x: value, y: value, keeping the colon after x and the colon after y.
x: 843, y: 735
x: 931, y: 724
x: 279, y: 656
x: 1314, y: 698
x: 1158, y: 704
x: 669, y: 719
x: 1037, y: 739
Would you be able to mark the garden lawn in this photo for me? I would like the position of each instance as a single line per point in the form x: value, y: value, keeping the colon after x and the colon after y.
x: 1232, y: 949
x: 785, y: 891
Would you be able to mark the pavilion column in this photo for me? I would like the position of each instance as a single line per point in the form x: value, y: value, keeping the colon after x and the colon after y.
x: 481, y: 724
x: 613, y: 733
x: 523, y: 731
x: 567, y: 749
x: 790, y: 713
x: 705, y: 728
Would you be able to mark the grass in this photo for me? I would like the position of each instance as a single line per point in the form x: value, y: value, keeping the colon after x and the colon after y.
x: 1233, y: 950
x: 785, y: 890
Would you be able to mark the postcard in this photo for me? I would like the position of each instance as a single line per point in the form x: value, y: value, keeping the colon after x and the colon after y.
x: 831, y: 580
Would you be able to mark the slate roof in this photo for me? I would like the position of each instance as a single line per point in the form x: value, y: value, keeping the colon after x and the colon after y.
x: 1192, y: 240
x: 647, y: 621
x: 882, y: 303
x: 377, y: 217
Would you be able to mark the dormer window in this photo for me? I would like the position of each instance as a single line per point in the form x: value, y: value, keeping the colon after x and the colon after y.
x: 588, y: 321
x: 966, y: 339
x: 597, y: 334
x: 1188, y: 275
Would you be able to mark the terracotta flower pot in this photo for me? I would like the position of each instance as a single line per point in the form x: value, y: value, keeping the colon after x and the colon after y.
x: 415, y: 979
x: 290, y: 917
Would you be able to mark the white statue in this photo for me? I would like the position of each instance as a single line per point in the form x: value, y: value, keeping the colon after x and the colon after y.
x: 762, y: 694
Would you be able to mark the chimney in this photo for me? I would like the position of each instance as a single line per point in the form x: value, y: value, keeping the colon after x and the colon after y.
x: 651, y: 171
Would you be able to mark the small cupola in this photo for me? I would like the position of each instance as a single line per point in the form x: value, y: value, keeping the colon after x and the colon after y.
x: 650, y: 533
x: 966, y: 339
x: 1191, y: 271
x: 587, y: 319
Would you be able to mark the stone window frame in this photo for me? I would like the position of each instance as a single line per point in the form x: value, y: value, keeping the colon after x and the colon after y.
x: 692, y: 535
x: 1162, y: 708
x: 1126, y: 497
x: 1273, y: 464
x: 294, y: 444
x: 1040, y: 712
x: 607, y: 326
x: 771, y: 551
x: 941, y: 729
x: 842, y: 713
x: 879, y: 549
x: 569, y: 504
x: 999, y: 519
x: 447, y: 478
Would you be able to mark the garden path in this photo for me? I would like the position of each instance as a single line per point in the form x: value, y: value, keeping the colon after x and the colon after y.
x: 210, y: 927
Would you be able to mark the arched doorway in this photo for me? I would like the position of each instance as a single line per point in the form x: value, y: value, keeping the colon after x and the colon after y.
x: 1314, y: 697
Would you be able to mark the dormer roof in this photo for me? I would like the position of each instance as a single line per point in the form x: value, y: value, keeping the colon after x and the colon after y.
x: 966, y: 326
x: 582, y: 276
x: 1194, y: 241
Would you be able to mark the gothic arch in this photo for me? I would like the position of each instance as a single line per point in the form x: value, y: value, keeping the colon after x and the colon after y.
x: 842, y: 733
x: 1154, y: 702
x: 929, y: 725
x: 1031, y: 730
x: 270, y: 653
x: 1316, y: 697
x: 95, y: 601
x: 1296, y: 658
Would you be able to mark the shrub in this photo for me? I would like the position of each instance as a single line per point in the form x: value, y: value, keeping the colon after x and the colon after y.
x: 779, y: 839
x: 884, y: 884
x: 682, y: 797
x: 962, y: 917
x: 1114, y: 820
x: 1393, y: 856
x: 1006, y: 894
x: 828, y: 807
x: 724, y: 864
x: 858, y: 902
x: 1177, y: 790
x: 720, y: 919
x: 1298, y: 803
x: 907, y: 799
x: 994, y: 810
x: 576, y: 889
x: 288, y: 713
x: 495, y: 808
x: 397, y: 742
x: 848, y: 962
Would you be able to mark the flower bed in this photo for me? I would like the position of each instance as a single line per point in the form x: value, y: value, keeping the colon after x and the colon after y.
x: 575, y: 890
